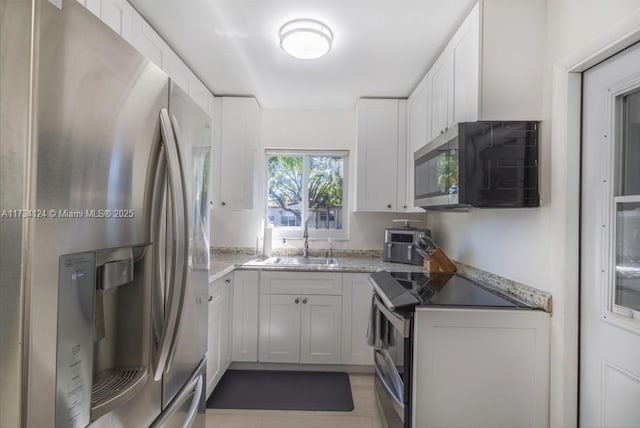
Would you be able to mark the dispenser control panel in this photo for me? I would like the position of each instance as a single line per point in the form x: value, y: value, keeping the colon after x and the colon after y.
x: 76, y: 290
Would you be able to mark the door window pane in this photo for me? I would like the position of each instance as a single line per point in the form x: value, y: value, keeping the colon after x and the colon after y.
x: 629, y: 148
x: 627, y: 280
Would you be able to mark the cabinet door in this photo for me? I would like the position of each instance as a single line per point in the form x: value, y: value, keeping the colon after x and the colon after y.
x: 148, y: 42
x: 417, y: 121
x: 356, y: 306
x: 245, y: 316
x: 202, y: 96
x: 225, y: 331
x: 466, y: 72
x: 441, y: 93
x: 377, y: 155
x: 472, y: 358
x: 279, y: 328
x: 238, y: 147
x: 118, y: 14
x: 178, y: 71
x: 321, y: 324
x: 401, y: 175
x: 214, y: 326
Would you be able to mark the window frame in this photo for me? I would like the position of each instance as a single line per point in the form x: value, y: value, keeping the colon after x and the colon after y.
x: 293, y: 232
x: 610, y: 311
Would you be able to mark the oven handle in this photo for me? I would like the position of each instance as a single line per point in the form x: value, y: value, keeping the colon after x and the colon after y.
x: 384, y: 380
x: 399, y: 323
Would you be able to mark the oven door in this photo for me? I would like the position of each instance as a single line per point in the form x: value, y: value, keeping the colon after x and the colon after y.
x: 392, y: 366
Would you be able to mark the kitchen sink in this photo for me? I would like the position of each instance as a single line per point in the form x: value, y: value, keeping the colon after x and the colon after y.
x: 302, y: 261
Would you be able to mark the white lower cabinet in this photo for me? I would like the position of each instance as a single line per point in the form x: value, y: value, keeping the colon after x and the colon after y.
x: 320, y: 329
x: 279, y: 328
x: 356, y: 305
x: 491, y: 364
x: 300, y: 327
x: 245, y: 316
x: 218, y: 344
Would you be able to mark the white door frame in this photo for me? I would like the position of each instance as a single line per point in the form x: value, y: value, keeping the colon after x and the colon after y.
x: 566, y: 113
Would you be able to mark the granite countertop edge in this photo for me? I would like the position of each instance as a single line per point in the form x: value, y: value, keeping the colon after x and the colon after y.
x: 226, y: 260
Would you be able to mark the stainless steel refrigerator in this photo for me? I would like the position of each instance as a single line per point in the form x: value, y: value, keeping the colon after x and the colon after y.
x: 104, y: 255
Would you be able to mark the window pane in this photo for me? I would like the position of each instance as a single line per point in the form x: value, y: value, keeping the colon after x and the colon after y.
x: 284, y: 207
x: 627, y: 291
x: 326, y: 175
x: 629, y: 150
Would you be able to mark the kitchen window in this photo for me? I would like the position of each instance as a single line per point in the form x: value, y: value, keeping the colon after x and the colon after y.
x: 307, y: 186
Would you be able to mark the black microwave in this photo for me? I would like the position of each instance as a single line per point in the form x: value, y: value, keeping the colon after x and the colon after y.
x: 479, y: 164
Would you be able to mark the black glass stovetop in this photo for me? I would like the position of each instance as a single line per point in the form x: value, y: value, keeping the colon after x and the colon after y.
x: 406, y: 290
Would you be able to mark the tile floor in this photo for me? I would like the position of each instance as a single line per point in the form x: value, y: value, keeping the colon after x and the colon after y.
x: 364, y: 414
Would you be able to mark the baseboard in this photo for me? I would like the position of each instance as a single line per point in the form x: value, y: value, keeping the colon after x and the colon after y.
x: 355, y: 369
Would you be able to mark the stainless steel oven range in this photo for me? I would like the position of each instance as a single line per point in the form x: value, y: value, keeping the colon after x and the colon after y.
x: 391, y: 329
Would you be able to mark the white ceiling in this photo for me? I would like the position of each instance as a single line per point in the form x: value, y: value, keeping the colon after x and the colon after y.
x: 382, y: 48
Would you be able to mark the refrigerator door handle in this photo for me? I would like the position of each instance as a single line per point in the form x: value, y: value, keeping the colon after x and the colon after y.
x: 159, y: 190
x: 177, y: 272
x: 195, y: 403
x: 183, y: 257
x: 195, y: 388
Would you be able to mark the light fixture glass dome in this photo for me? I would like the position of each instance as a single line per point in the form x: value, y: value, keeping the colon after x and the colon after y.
x: 305, y: 38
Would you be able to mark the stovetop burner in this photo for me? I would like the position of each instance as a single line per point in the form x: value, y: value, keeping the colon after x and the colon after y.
x: 406, y: 290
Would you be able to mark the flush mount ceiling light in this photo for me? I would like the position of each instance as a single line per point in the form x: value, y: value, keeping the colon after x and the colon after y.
x: 305, y: 38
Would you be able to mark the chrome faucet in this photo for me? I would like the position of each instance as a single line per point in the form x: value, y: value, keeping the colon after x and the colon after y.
x: 305, y: 251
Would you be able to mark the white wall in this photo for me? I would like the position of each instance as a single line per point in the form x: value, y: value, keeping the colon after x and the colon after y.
x: 305, y: 129
x: 539, y: 247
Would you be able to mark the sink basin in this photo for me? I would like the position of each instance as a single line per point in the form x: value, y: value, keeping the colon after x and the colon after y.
x: 303, y: 261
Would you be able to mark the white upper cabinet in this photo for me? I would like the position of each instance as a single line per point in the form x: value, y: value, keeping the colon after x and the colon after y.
x: 178, y: 71
x: 512, y: 34
x: 202, y: 96
x: 465, y: 53
x: 118, y: 14
x: 239, y: 126
x: 440, y: 79
x: 149, y: 43
x: 418, y: 134
x: 491, y: 69
x: 380, y: 155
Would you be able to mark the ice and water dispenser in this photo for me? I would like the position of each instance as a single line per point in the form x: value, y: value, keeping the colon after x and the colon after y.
x: 104, y: 332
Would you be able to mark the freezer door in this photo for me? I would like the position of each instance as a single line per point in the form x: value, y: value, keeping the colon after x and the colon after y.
x: 95, y: 128
x: 187, y: 410
x: 192, y: 128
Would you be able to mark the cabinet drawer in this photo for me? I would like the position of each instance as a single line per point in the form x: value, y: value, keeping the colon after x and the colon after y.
x: 304, y: 283
x: 216, y: 287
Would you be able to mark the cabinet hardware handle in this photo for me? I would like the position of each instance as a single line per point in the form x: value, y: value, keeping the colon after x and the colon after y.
x: 228, y: 281
x: 389, y: 206
x: 304, y: 300
x: 405, y: 207
x: 223, y: 203
x: 210, y: 298
x: 297, y: 301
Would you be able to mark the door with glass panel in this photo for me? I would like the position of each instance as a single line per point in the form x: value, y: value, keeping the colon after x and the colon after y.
x: 610, y: 244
